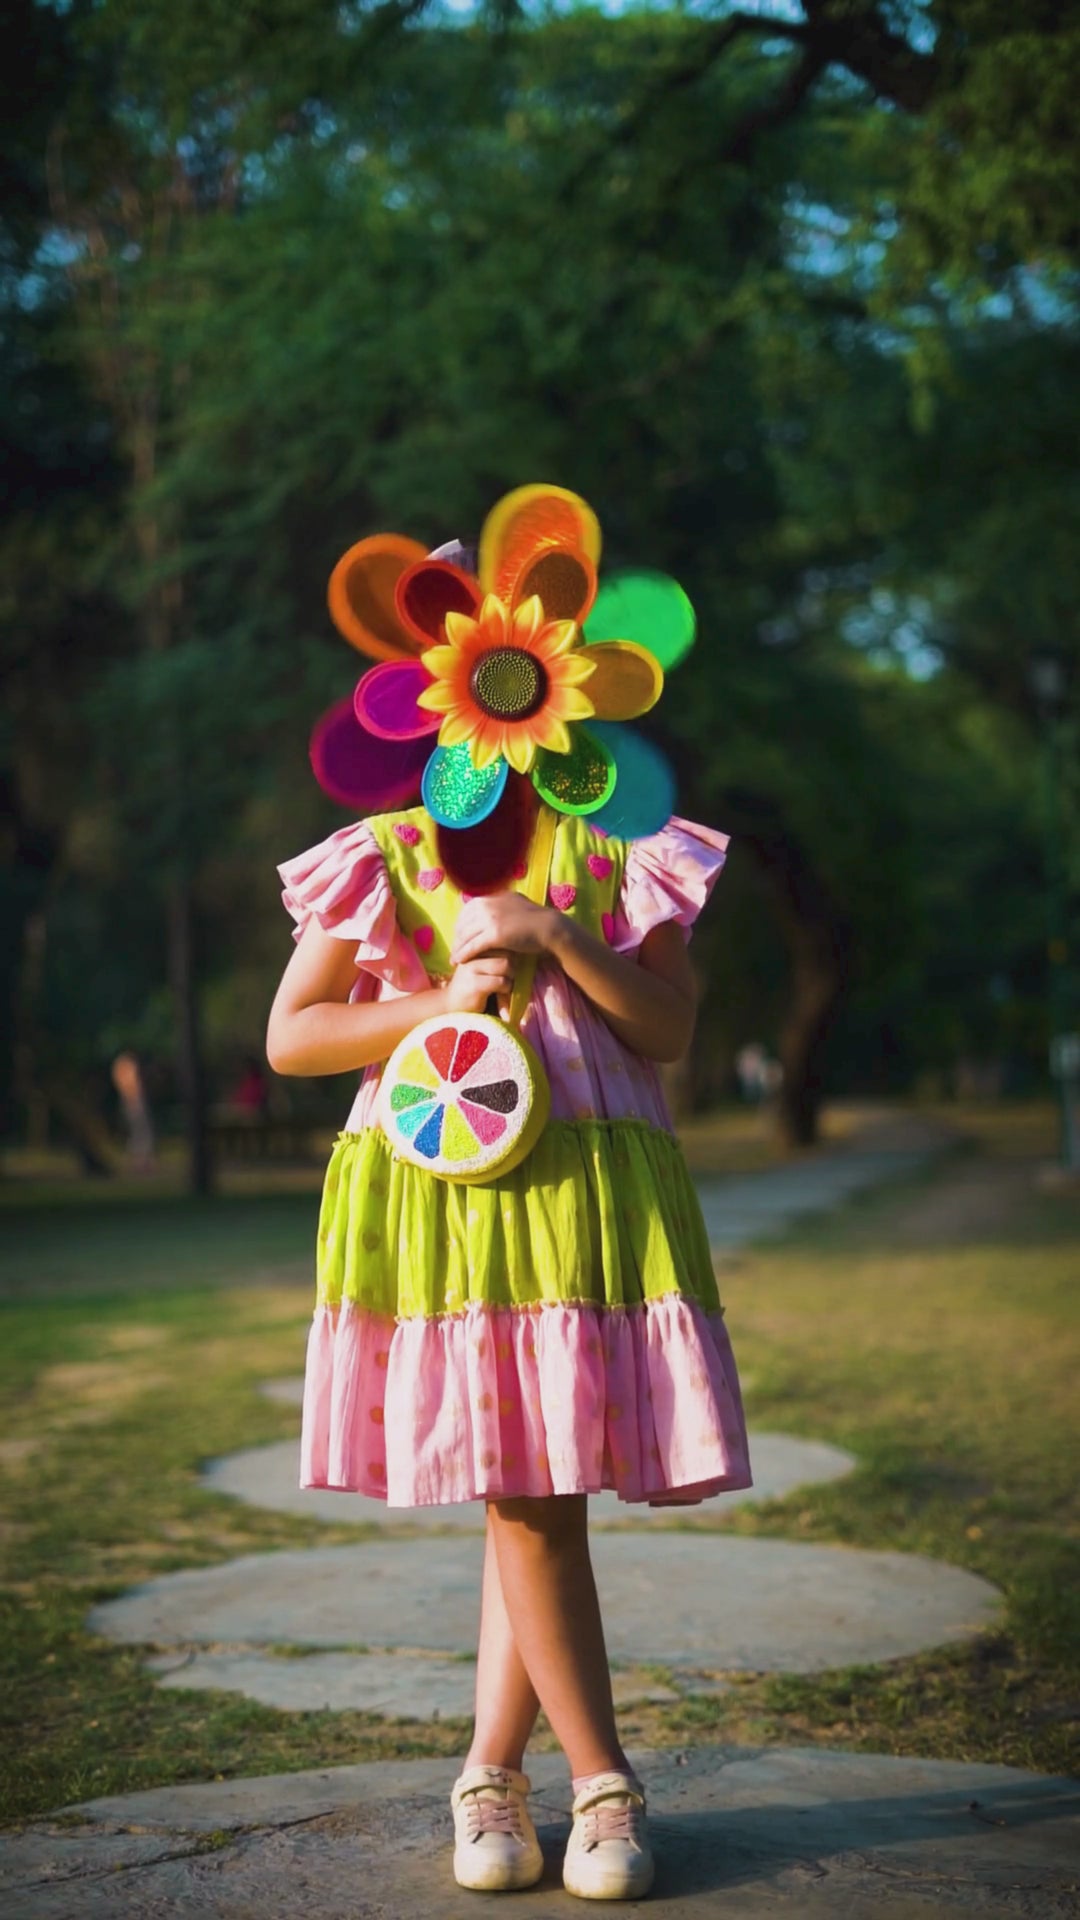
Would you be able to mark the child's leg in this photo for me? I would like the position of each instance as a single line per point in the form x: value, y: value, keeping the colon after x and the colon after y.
x: 547, y: 1585
x: 506, y: 1702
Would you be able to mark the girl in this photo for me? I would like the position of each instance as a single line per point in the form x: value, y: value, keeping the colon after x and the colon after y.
x: 555, y: 1330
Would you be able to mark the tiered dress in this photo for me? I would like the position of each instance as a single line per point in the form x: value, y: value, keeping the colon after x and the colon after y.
x: 559, y: 1330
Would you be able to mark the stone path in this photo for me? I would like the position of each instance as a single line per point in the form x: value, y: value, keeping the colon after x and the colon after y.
x: 739, y: 1833
x: 269, y: 1477
x: 760, y: 1206
x: 697, y: 1602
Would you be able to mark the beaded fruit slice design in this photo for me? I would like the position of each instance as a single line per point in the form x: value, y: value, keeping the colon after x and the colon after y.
x: 463, y: 1096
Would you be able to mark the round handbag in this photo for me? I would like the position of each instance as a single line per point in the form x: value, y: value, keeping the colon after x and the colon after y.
x: 463, y: 1095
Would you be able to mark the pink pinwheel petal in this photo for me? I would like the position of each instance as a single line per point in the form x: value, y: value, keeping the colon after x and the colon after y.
x: 385, y: 701
x: 358, y: 769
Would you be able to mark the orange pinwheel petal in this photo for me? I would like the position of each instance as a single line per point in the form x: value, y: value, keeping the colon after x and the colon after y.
x: 555, y: 640
x: 361, y: 596
x: 524, y: 524
x: 456, y: 727
x: 519, y: 746
x: 564, y: 580
x: 486, y: 741
x: 628, y: 679
x: 550, y: 732
x: 569, y: 703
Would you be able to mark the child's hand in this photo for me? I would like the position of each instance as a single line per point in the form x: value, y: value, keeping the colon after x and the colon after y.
x: 502, y: 921
x: 474, y: 981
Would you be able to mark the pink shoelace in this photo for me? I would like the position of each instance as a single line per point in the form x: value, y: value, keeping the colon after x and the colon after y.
x: 612, y: 1819
x: 488, y: 1815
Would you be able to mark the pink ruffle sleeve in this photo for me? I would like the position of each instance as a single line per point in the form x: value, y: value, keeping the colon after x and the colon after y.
x: 668, y: 876
x: 344, y: 885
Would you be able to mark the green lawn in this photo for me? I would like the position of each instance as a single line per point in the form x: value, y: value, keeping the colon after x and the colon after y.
x: 931, y: 1329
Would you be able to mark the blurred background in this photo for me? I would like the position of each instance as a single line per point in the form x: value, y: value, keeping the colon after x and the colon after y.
x: 788, y: 292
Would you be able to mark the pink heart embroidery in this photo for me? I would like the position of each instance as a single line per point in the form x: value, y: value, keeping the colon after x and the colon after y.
x: 409, y: 835
x: 600, y: 832
x: 599, y: 865
x: 424, y: 938
x: 431, y: 878
x: 466, y: 897
x: 608, y: 924
x: 562, y: 896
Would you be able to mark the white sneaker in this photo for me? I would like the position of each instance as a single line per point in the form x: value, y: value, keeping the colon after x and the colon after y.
x: 495, y: 1843
x: 608, y: 1855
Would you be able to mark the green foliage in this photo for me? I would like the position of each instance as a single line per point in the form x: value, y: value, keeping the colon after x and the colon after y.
x: 308, y: 273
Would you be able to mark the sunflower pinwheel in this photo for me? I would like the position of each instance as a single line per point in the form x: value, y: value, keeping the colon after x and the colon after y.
x: 524, y: 669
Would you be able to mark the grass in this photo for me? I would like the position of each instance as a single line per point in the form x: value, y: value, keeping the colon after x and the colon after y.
x: 932, y: 1329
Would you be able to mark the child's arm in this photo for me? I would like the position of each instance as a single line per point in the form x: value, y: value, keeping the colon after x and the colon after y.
x: 313, y: 1029
x: 649, y: 1002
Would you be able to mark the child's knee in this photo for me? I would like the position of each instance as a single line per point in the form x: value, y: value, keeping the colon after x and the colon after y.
x: 541, y: 1522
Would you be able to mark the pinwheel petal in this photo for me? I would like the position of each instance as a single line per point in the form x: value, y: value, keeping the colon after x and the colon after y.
x: 580, y: 781
x: 564, y: 580
x: 485, y: 858
x: 457, y: 727
x: 526, y: 523
x: 457, y: 794
x: 519, y: 747
x: 648, y: 608
x: 571, y: 703
x: 361, y: 596
x: 385, y: 701
x: 426, y: 593
x: 359, y: 769
x: 644, y: 796
x: 627, y: 681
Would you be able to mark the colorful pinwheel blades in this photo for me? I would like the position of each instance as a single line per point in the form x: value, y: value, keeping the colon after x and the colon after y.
x: 485, y: 858
x: 497, y: 666
x: 359, y: 770
x: 649, y: 608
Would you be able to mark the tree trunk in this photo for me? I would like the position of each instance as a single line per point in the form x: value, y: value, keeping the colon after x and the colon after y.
x: 817, y: 937
x: 818, y: 978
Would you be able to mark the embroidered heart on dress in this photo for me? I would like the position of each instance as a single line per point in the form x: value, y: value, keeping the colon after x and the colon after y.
x: 424, y: 938
x: 562, y: 896
x: 431, y: 878
x: 409, y: 835
x: 599, y: 865
x: 608, y: 924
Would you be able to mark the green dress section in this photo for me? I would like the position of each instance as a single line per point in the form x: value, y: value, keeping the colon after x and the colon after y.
x: 585, y: 880
x: 601, y: 1212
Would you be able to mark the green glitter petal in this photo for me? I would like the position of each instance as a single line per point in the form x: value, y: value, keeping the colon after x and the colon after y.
x: 579, y: 781
x: 650, y: 608
x: 457, y: 794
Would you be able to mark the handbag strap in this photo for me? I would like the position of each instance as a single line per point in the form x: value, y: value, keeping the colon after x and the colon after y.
x: 535, y: 888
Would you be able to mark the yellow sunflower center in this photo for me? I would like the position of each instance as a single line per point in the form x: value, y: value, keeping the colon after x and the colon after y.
x: 509, y: 684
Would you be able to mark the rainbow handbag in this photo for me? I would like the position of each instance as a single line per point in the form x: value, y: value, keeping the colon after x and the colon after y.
x: 463, y: 1095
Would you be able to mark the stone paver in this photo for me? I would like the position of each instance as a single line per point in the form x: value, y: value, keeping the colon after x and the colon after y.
x: 738, y: 1833
x: 269, y: 1477
x: 694, y: 1600
x: 396, y: 1686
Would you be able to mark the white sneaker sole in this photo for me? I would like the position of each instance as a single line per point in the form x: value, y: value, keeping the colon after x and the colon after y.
x: 596, y: 1882
x: 482, y: 1875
